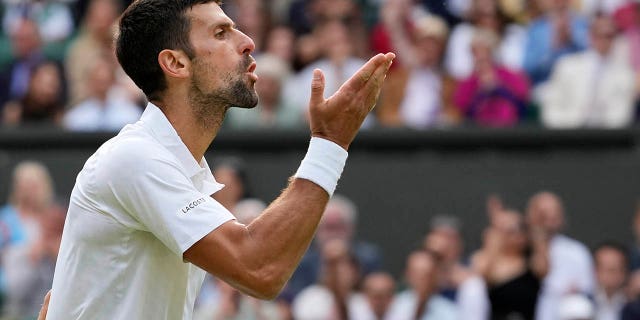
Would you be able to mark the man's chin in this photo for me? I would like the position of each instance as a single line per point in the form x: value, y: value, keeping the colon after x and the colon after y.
x: 248, y: 105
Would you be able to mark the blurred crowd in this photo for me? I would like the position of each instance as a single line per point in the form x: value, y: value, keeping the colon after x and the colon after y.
x: 522, y: 266
x: 488, y: 63
x: 496, y: 63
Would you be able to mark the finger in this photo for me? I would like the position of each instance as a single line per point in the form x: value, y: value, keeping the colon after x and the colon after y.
x: 378, y: 76
x: 373, y: 87
x: 317, y: 88
x: 380, y: 73
x: 362, y: 76
x: 390, y: 56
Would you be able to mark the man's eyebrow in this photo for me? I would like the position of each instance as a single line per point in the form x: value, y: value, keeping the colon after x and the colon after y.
x: 224, y: 25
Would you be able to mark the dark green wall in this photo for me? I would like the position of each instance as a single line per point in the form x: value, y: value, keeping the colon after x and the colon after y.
x: 399, y: 179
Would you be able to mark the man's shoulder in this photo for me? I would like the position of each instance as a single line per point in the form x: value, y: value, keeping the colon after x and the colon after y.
x: 569, y: 245
x: 134, y: 148
x: 441, y: 305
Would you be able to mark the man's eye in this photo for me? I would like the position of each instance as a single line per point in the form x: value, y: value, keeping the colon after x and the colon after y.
x: 220, y: 34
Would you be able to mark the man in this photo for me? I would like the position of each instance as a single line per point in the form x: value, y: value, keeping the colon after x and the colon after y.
x: 611, y: 276
x: 26, y: 45
x: 457, y: 282
x: 593, y: 88
x: 570, y: 265
x: 378, y: 289
x: 27, y: 248
x: 557, y: 32
x: 421, y: 300
x: 142, y: 228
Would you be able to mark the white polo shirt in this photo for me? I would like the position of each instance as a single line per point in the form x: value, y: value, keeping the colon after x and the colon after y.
x: 138, y: 204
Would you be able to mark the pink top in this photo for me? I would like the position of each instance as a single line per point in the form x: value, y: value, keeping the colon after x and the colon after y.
x: 500, y: 106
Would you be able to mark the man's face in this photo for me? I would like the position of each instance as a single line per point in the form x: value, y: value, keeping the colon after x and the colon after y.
x: 222, y: 69
x: 334, y: 225
x: 421, y: 272
x: 379, y: 289
x: 603, y: 32
x: 545, y: 211
x: 611, y: 269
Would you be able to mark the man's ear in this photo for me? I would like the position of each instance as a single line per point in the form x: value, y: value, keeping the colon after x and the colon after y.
x: 174, y: 63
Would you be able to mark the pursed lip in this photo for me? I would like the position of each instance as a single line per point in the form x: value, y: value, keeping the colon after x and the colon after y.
x: 252, y: 67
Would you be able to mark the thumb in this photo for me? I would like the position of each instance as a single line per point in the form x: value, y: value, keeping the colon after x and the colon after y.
x: 317, y: 88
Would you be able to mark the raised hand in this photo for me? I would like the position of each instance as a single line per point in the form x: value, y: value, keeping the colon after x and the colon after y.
x: 339, y: 117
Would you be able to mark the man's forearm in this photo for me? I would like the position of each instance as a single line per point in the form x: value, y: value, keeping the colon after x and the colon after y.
x: 284, y: 231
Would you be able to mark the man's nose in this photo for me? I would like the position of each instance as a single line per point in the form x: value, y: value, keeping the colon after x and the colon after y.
x: 247, y: 45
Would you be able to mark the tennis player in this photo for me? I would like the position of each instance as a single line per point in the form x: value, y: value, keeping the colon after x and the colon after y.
x: 142, y: 229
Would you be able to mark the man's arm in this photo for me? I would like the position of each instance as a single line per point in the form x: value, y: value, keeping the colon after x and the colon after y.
x: 258, y: 259
x: 42, y: 315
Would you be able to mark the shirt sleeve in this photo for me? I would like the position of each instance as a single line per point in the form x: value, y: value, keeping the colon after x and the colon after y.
x: 158, y: 194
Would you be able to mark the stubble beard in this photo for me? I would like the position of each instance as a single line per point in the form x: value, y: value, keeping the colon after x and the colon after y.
x: 211, y: 107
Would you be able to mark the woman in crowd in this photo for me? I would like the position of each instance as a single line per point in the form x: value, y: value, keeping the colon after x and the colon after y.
x: 513, y: 262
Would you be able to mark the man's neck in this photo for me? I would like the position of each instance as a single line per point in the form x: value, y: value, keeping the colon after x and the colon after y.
x: 196, y: 133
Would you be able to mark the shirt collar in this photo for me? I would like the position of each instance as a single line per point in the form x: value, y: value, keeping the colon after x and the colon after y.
x: 154, y: 119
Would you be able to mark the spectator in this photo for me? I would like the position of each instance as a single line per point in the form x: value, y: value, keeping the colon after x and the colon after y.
x: 339, y: 221
x: 272, y: 111
x: 27, y: 53
x: 334, y: 296
x: 53, y: 18
x: 571, y: 267
x: 634, y: 248
x: 107, y: 108
x: 230, y: 173
x: 252, y: 18
x: 233, y: 305
x: 280, y: 43
x: 493, y: 95
x: 94, y: 41
x: 29, y: 267
x: 338, y: 63
x: 608, y: 7
x: 485, y: 15
x: 628, y: 19
x: 513, y: 264
x: 457, y: 282
x: 217, y: 299
x: 420, y: 53
x: 308, y: 18
x: 611, y: 275
x: 557, y: 32
x: 631, y: 311
x: 421, y: 300
x: 592, y: 88
x: 378, y: 289
x: 43, y: 102
x: 31, y: 197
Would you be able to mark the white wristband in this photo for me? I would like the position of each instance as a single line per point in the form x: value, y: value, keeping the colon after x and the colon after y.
x: 323, y: 164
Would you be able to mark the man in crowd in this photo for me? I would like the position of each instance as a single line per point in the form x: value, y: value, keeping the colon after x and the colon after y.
x: 570, y: 265
x: 611, y: 276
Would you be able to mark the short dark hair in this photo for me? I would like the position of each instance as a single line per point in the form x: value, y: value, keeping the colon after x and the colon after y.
x: 612, y: 245
x: 146, y: 28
